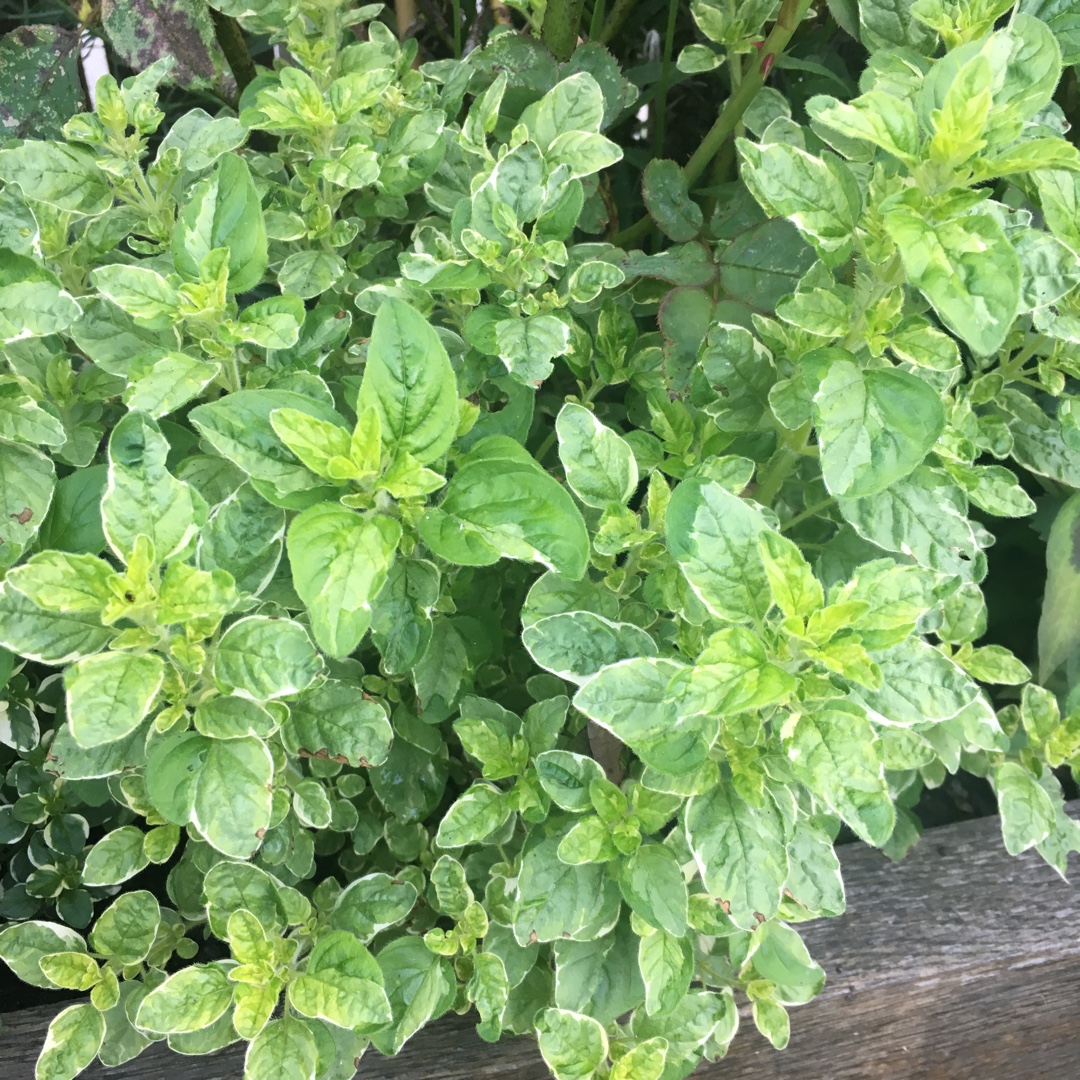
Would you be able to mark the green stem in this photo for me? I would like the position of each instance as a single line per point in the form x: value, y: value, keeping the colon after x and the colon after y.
x: 1012, y: 367
x: 231, y: 39
x: 782, y: 464
x: 596, y: 23
x: 619, y: 14
x: 809, y: 512
x: 790, y: 15
x: 561, y: 22
x: 665, y: 76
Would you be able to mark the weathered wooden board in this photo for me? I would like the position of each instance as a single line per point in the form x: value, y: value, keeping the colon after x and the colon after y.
x: 960, y: 963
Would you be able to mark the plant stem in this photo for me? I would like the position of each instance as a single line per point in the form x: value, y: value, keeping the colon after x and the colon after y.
x: 405, y: 11
x: 561, y: 22
x: 809, y: 512
x: 596, y: 23
x: 619, y: 14
x: 1014, y: 365
x: 790, y: 15
x: 231, y: 39
x: 665, y: 74
x: 782, y: 464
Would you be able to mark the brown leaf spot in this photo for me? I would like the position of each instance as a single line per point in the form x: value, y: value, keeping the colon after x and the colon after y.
x: 725, y: 905
x: 533, y: 939
x: 23, y: 516
x: 760, y: 918
x: 260, y: 833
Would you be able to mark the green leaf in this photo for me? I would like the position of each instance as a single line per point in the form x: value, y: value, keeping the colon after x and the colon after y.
x: 555, y: 899
x: 644, y: 1062
x: 476, y: 814
x: 190, y: 1000
x: 574, y: 104
x: 667, y: 966
x: 27, y: 481
x: 126, y: 929
x: 238, y: 427
x: 232, y: 796
x: 224, y: 212
x: 667, y: 198
x: 74, y: 519
x: 336, y: 721
x: 340, y: 561
x: 245, y: 537
x: 71, y: 970
x: 273, y: 323
x: 58, y: 174
x: 577, y: 644
x: 795, y: 590
x: 834, y: 753
x: 263, y: 658
x: 32, y: 302
x: 573, y: 1046
x: 923, y: 516
x: 877, y: 117
x: 309, y: 273
x: 409, y: 382
x: 966, y: 268
x: 233, y: 717
x: 652, y: 884
x: 23, y: 944
x: 566, y: 777
x: 108, y: 695
x: 741, y: 370
x: 1059, y: 623
x: 117, y: 856
x: 713, y: 536
x: 500, y: 502
x: 420, y: 986
x: 631, y: 698
x: 891, y: 23
x: 1027, y: 812
x: 284, y: 1049
x: 920, y: 684
x: 143, y: 498
x: 342, y: 984
x: 875, y: 427
x: 600, y: 466
x: 57, y: 581
x: 72, y: 1043
x: 372, y: 904
x: 734, y: 674
x: 314, y: 442
x: 489, y: 990
x: 140, y: 291
x: 229, y: 887
x: 740, y: 852
x: 221, y: 786
x: 821, y: 198
x: 171, y: 381
x: 401, y: 623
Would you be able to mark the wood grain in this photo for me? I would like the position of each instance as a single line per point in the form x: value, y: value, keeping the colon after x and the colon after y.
x: 960, y: 963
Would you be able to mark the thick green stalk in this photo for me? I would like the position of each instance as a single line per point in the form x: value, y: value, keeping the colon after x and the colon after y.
x: 231, y: 39
x: 790, y: 15
x: 665, y: 75
x: 619, y: 14
x: 596, y: 23
x: 561, y: 23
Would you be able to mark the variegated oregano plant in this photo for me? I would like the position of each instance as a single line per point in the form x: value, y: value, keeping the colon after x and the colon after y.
x: 467, y: 603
